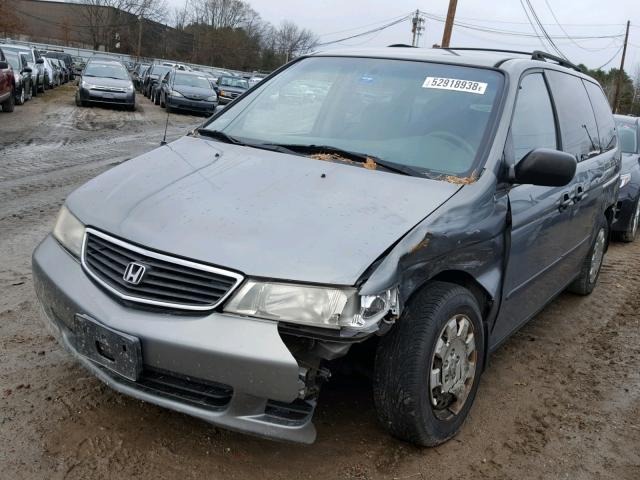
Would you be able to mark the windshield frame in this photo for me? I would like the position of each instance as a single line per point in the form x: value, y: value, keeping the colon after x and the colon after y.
x: 478, y: 165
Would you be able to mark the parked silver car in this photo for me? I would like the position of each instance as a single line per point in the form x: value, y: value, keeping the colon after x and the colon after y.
x: 35, y: 62
x: 423, y: 204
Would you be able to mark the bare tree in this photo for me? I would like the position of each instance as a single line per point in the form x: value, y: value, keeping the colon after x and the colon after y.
x: 293, y: 41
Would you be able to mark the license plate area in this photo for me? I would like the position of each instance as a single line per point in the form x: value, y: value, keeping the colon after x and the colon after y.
x: 117, y: 351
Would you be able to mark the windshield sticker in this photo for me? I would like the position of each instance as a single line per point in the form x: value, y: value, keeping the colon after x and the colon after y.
x: 455, y: 84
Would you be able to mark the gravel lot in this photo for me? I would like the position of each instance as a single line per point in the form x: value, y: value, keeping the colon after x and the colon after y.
x: 561, y: 399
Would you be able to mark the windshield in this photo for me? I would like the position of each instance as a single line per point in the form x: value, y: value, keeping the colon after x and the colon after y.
x: 12, y: 58
x: 234, y: 82
x: 26, y: 52
x: 628, y: 137
x: 106, y: 70
x: 430, y: 117
x: 160, y: 70
x: 191, y: 81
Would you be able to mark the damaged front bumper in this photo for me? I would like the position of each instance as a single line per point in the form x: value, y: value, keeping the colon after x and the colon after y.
x: 234, y: 372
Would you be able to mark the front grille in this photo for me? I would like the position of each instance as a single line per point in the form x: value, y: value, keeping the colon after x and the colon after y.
x: 109, y: 89
x: 201, y: 393
x: 166, y: 282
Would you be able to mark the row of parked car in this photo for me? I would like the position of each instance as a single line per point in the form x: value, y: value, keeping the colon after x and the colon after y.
x: 170, y: 85
x: 26, y: 72
x: 180, y: 87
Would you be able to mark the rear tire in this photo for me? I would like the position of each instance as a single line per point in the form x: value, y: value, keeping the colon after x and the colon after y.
x: 21, y: 99
x: 417, y: 372
x: 9, y: 104
x: 592, y: 264
x: 156, y: 98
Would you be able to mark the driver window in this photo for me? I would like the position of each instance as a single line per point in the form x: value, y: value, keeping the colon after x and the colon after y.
x: 533, y: 125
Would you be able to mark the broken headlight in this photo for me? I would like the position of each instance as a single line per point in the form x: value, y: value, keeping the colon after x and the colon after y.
x: 328, y: 307
x: 69, y: 231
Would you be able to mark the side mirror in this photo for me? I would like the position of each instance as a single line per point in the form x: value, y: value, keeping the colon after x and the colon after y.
x: 4, y: 65
x: 40, y: 60
x: 545, y: 167
x: 164, y: 80
x: 27, y: 70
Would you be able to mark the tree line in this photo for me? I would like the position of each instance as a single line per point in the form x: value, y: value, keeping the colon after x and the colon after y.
x: 223, y: 33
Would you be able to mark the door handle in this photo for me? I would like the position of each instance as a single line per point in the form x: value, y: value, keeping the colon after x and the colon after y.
x: 579, y: 193
x: 565, y: 202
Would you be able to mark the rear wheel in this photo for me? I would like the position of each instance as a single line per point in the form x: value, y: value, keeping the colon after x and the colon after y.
x: 9, y: 104
x: 21, y: 98
x: 156, y: 98
x: 592, y: 264
x: 34, y: 88
x: 428, y: 367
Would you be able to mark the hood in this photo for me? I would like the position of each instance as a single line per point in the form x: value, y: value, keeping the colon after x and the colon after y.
x: 195, y: 93
x: 262, y: 213
x: 107, y: 82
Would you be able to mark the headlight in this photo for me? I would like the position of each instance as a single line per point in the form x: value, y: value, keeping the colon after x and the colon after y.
x: 130, y: 88
x: 223, y: 93
x: 624, y: 179
x: 87, y: 85
x: 328, y: 307
x: 309, y: 305
x: 69, y: 231
x: 212, y: 98
x: 175, y: 93
x: 373, y: 308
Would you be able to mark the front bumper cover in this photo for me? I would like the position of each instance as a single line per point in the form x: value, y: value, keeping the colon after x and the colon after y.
x: 246, y: 354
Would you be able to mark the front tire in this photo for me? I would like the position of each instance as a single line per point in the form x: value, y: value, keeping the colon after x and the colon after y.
x: 592, y: 264
x: 631, y: 233
x: 428, y: 367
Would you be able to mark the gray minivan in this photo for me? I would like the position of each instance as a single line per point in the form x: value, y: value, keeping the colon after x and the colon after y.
x: 425, y: 203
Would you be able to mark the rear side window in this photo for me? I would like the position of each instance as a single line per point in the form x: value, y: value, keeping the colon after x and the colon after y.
x: 628, y: 137
x: 577, y: 123
x: 533, y: 125
x: 604, y: 117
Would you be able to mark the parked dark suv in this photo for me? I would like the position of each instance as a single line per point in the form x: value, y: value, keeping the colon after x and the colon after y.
x: 423, y: 203
x: 627, y: 222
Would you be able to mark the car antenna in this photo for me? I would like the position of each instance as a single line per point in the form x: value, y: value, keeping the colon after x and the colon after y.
x: 166, y: 123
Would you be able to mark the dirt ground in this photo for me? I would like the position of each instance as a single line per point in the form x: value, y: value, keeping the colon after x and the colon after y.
x: 561, y: 399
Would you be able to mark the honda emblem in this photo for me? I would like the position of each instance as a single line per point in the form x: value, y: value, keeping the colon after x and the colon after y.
x: 134, y: 272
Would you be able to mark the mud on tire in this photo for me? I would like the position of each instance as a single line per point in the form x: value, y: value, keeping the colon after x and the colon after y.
x: 587, y: 280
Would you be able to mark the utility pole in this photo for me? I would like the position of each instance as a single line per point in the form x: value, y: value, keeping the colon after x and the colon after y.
x: 616, y: 96
x: 139, y: 35
x: 417, y: 27
x: 448, y: 26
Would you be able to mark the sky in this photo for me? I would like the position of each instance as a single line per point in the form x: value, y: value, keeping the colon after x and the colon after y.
x: 336, y: 19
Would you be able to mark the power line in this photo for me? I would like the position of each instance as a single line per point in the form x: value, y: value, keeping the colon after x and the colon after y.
x: 368, y: 32
x: 611, y: 59
x: 367, y: 25
x: 531, y: 23
x: 544, y: 31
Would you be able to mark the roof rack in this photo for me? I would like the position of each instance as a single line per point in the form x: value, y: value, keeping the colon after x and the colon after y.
x: 535, y: 55
x: 543, y: 56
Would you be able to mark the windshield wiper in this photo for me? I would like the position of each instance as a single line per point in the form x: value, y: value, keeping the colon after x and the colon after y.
x: 350, y: 155
x: 219, y: 135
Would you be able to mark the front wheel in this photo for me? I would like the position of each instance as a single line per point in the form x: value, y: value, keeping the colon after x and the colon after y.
x: 428, y: 367
x: 592, y: 264
x: 632, y: 230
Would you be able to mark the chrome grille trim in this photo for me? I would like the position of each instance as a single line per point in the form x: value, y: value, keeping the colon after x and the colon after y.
x: 238, y: 278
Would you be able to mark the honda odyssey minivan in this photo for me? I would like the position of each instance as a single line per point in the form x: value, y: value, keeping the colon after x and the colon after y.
x: 427, y: 203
